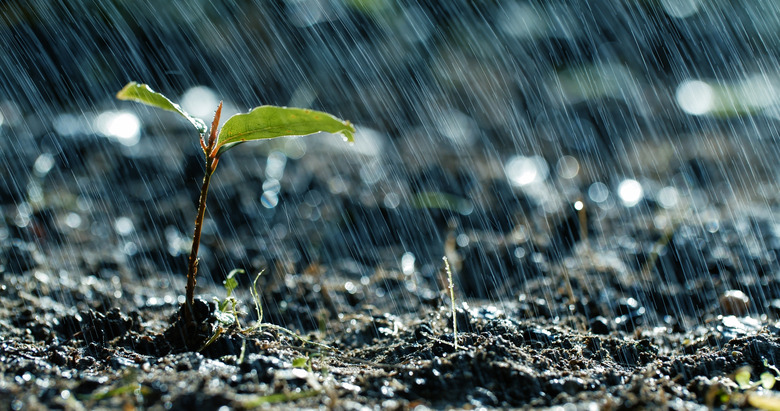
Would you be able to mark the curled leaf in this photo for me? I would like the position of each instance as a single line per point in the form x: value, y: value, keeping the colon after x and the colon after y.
x: 230, y: 283
x: 142, y: 93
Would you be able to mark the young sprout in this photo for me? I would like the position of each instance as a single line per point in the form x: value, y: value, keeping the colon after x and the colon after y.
x: 261, y: 123
x: 452, y: 301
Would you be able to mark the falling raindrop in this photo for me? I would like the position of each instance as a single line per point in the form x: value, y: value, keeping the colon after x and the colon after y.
x: 34, y: 193
x: 598, y: 192
x: 392, y: 200
x: 523, y: 171
x: 305, y: 13
x: 458, y: 127
x: 200, y: 101
x: 43, y: 164
x: 590, y: 168
x: 269, y: 199
x: 695, y: 97
x: 123, y: 226
x: 668, y: 197
x: 630, y: 192
x: 680, y: 8
x: 130, y: 248
x: 407, y: 263
x: 522, y: 21
x: 274, y: 167
x: 372, y: 172
x: 73, y: 220
x: 67, y: 124
x: 568, y: 167
x: 272, y: 186
x: 23, y: 214
x: 120, y: 125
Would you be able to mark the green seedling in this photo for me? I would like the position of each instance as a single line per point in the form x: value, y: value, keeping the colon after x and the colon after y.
x: 261, y: 123
x: 766, y: 379
x: 227, y: 312
x: 228, y: 305
x: 756, y: 394
x: 302, y: 362
x: 228, y: 315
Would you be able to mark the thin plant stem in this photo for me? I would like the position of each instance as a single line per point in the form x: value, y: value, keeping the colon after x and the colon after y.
x: 192, y: 269
x: 211, y: 164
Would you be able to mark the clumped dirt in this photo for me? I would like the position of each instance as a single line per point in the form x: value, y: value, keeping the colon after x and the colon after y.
x: 604, y: 307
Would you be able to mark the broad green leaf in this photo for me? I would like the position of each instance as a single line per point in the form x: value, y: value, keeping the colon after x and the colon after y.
x: 142, y: 93
x: 266, y: 122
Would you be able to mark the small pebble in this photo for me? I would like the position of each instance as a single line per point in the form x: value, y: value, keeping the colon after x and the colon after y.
x: 734, y: 302
x: 599, y: 325
x: 58, y: 358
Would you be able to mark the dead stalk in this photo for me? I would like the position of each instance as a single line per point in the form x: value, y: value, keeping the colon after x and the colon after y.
x: 452, y: 301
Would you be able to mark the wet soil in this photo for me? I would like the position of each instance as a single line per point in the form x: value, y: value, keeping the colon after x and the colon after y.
x: 611, y: 307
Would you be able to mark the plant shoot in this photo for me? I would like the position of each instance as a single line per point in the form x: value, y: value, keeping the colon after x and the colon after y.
x: 264, y: 122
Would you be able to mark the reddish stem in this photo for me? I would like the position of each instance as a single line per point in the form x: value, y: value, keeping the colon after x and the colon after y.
x: 192, y: 269
x: 214, y: 125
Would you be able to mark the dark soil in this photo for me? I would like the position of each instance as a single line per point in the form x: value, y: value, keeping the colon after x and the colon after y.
x: 547, y: 313
x: 656, y: 305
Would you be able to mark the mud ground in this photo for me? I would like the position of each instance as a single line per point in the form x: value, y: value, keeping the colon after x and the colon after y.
x: 605, y: 307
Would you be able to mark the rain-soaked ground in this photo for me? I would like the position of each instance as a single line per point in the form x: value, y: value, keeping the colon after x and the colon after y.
x: 601, y: 177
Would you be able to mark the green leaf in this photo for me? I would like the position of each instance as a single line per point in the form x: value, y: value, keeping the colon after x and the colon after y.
x: 266, y: 122
x: 742, y: 378
x: 225, y: 317
x: 767, y: 380
x: 142, y: 93
x: 300, y: 362
x: 230, y: 282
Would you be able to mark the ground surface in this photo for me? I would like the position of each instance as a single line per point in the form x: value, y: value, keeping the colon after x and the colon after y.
x: 639, y: 309
x: 481, y: 125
